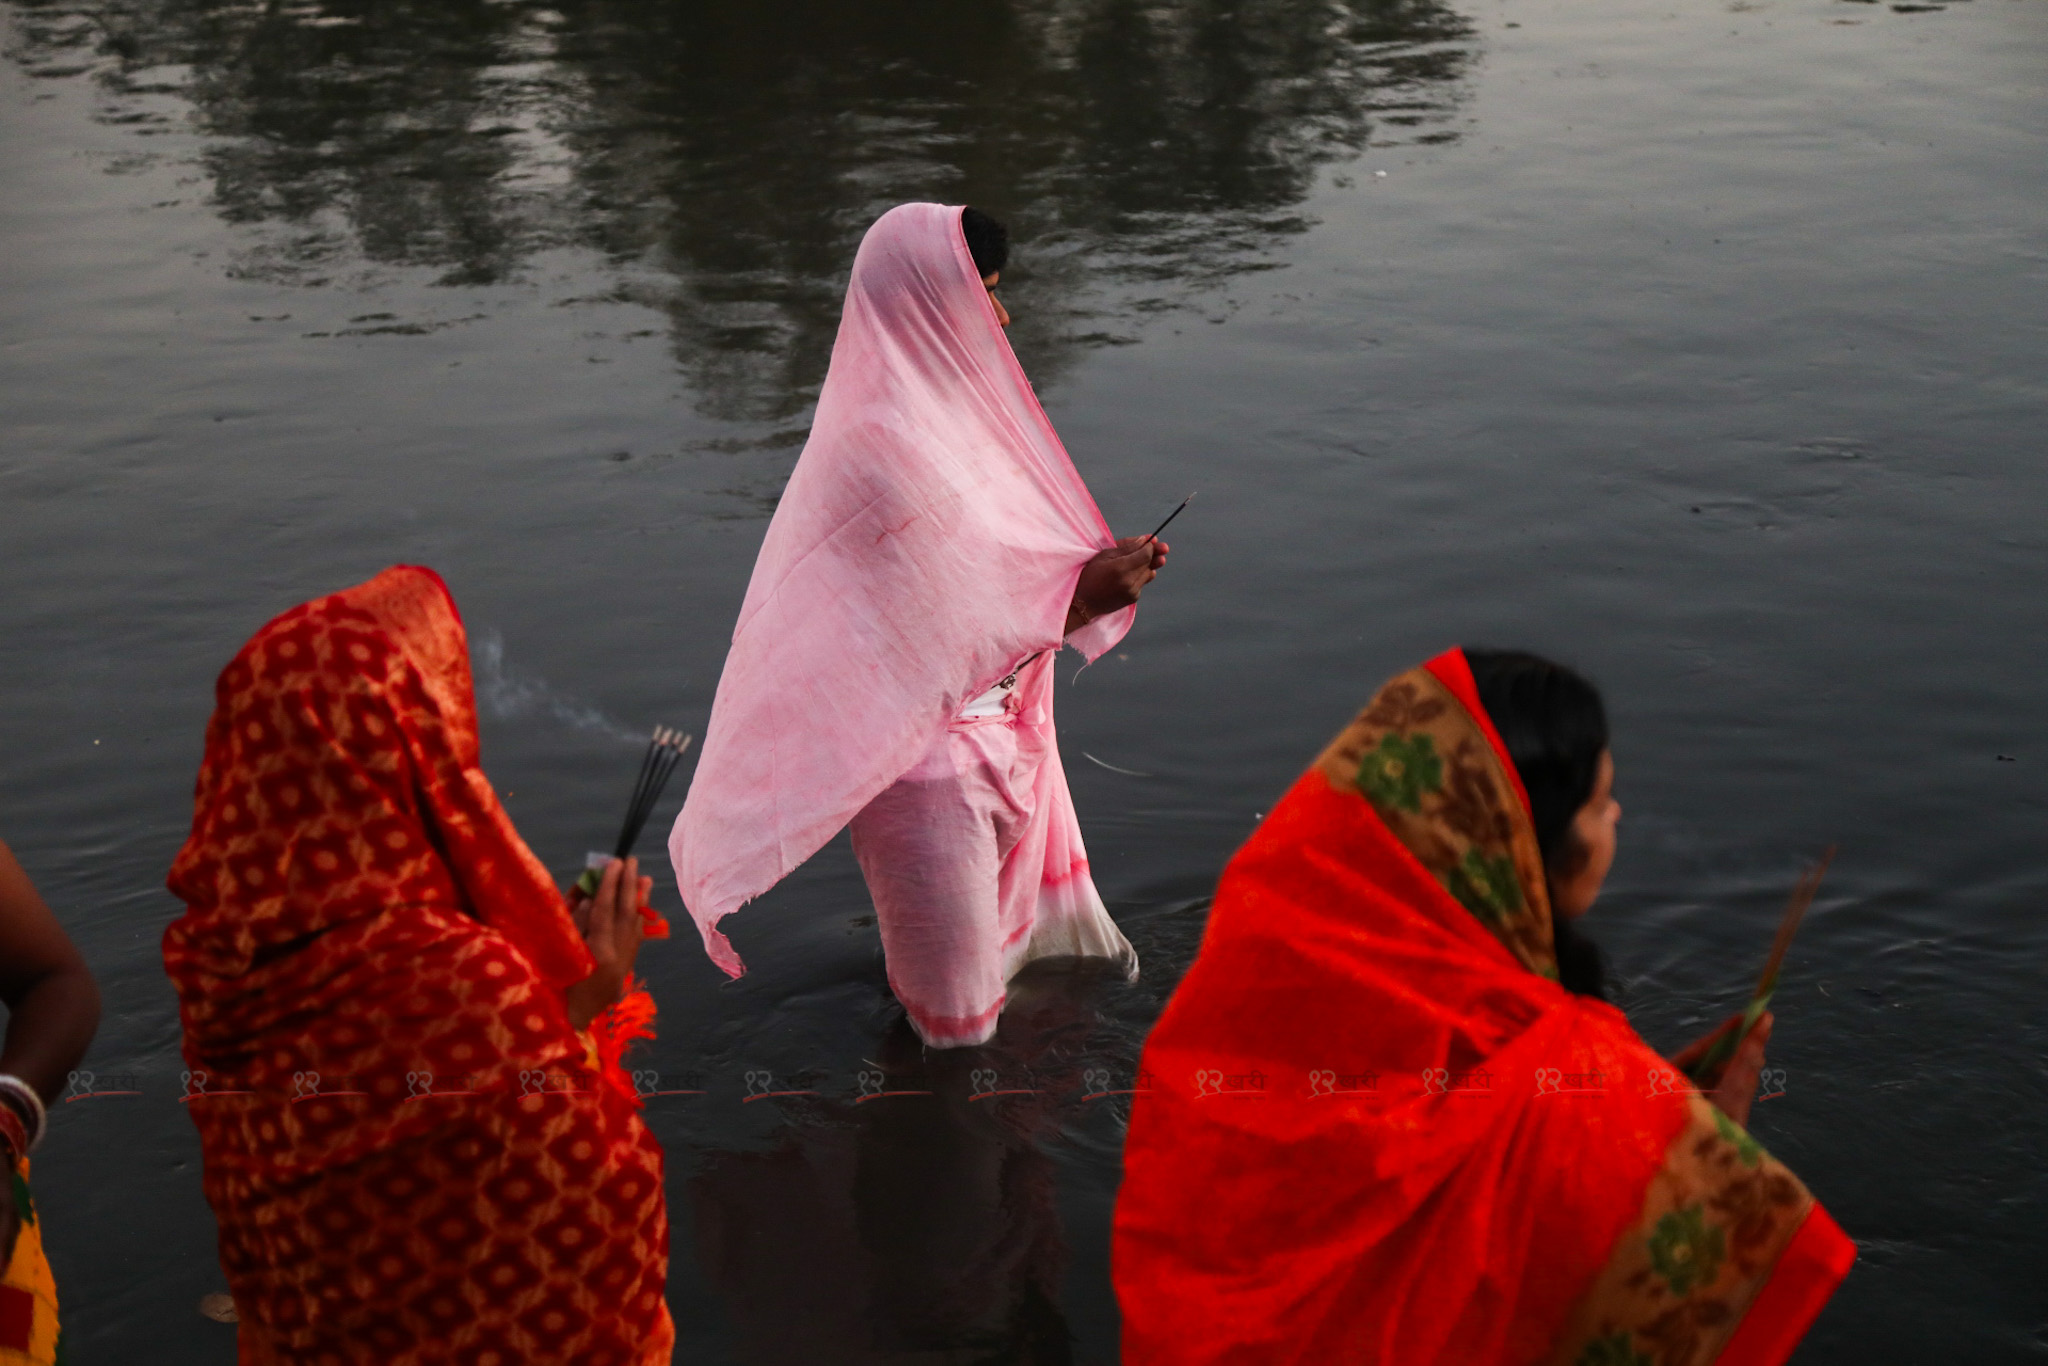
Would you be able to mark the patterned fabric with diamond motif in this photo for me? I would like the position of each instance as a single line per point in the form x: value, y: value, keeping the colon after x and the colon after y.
x: 411, y: 1155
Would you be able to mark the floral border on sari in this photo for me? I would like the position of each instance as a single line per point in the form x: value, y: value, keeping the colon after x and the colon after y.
x: 1678, y: 1281
x: 1720, y: 1211
x: 1438, y: 785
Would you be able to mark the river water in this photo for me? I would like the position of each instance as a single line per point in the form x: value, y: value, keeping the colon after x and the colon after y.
x: 1702, y: 344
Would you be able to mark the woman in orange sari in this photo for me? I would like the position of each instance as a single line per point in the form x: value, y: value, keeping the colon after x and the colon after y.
x: 404, y: 1056
x: 1381, y: 1129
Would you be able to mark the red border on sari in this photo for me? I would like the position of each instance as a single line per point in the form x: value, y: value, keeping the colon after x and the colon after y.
x: 1808, y: 1270
x: 1454, y: 671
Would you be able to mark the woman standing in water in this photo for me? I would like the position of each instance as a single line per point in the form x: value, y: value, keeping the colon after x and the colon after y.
x: 1391, y: 1121
x: 53, y: 1009
x: 892, y: 666
x: 403, y: 1042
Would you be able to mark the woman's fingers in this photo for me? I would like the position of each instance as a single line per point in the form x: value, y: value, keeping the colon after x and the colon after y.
x: 583, y: 909
x: 607, y: 891
x: 626, y: 902
x: 1113, y: 578
x: 1750, y: 1050
x: 1139, y: 571
x: 632, y: 929
x: 622, y: 907
x: 1739, y: 1083
x: 599, y: 921
x: 613, y: 928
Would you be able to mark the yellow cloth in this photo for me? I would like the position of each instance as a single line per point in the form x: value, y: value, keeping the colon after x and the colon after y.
x: 28, y: 1293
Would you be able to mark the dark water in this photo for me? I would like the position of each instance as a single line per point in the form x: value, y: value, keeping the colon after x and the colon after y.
x: 1703, y: 344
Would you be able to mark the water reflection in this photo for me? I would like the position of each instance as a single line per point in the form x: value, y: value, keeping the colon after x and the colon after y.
x: 725, y: 158
x: 920, y: 1225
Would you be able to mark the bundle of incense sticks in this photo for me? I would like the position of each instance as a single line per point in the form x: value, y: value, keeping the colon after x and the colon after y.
x: 1802, y: 897
x: 664, y: 752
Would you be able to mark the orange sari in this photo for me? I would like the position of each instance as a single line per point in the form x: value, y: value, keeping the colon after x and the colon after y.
x: 1377, y: 1129
x: 412, y: 1156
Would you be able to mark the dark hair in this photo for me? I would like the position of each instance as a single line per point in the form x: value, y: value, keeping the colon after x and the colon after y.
x: 1555, y: 729
x: 988, y: 241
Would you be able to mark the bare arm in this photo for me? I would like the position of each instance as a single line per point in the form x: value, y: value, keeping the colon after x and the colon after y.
x: 53, y: 1004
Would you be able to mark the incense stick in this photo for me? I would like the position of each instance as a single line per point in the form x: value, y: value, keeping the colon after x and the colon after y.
x: 1767, y: 982
x: 1169, y: 518
x: 664, y: 752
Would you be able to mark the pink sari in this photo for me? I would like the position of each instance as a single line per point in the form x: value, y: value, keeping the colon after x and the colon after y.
x: 929, y: 540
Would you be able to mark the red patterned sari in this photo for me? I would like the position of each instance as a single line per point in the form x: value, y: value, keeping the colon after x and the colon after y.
x: 1378, y: 1131
x: 412, y: 1156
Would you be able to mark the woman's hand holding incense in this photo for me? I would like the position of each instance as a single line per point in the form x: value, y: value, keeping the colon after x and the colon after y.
x: 1114, y: 578
x: 611, y: 924
x: 1734, y: 1089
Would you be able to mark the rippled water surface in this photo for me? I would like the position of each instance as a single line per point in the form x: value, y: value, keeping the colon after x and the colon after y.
x: 1702, y: 344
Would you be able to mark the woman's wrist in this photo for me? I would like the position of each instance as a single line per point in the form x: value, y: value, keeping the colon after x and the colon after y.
x: 21, y: 1109
x: 593, y: 996
x: 14, y: 1142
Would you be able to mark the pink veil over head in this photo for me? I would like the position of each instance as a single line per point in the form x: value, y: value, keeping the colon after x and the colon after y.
x: 929, y: 539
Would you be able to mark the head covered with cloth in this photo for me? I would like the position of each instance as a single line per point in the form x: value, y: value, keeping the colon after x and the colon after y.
x: 929, y: 539
x: 1378, y: 1129
x: 412, y: 1154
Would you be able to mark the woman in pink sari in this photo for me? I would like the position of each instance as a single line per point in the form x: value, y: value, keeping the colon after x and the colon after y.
x: 892, y: 665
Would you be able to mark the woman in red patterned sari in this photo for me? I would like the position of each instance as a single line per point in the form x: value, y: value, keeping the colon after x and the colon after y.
x: 404, y: 1055
x: 1383, y: 1125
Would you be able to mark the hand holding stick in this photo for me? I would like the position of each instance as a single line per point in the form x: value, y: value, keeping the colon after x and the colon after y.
x: 664, y: 752
x: 1708, y: 1066
x: 1114, y: 578
x: 612, y: 928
